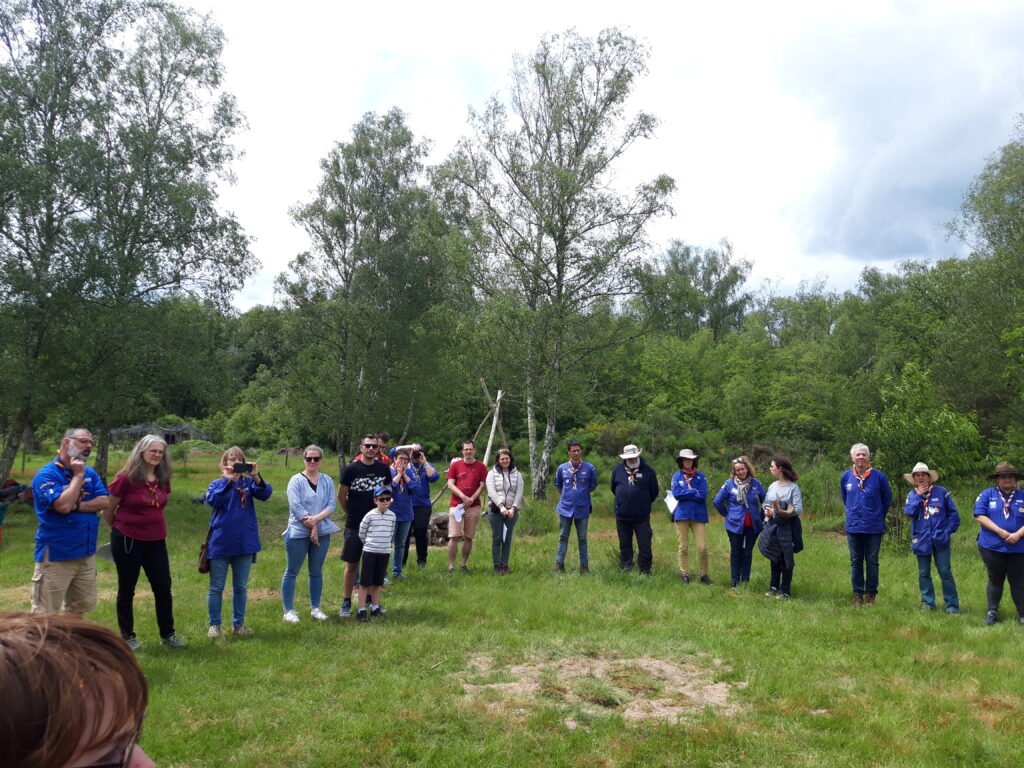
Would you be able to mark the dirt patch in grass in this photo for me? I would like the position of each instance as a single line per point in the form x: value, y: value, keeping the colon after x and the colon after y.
x: 639, y: 689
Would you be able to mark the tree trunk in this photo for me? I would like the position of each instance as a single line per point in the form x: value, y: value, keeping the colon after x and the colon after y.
x: 102, y: 453
x: 11, y: 442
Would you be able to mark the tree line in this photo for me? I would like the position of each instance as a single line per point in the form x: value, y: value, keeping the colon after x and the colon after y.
x: 518, y: 260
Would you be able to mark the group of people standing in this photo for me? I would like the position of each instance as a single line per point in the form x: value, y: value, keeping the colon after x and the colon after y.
x: 386, y: 499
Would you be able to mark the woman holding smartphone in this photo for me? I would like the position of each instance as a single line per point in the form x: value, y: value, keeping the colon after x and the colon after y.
x: 234, y: 535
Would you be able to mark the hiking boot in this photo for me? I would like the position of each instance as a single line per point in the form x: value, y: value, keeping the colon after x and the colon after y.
x: 213, y: 631
x: 174, y: 641
x: 869, y: 599
x: 559, y: 567
x: 858, y: 601
x: 705, y: 580
x: 584, y: 570
x: 346, y: 609
x: 685, y: 578
x: 242, y: 631
x: 292, y: 617
x: 317, y: 614
x: 134, y: 643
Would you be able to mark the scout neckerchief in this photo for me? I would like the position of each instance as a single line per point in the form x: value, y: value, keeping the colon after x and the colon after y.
x: 860, y: 480
x: 631, y: 472
x: 688, y: 475
x: 575, y: 469
x: 242, y: 491
x: 1006, y: 503
x: 925, y: 497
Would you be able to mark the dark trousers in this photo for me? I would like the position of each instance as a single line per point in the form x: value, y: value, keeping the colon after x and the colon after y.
x: 1004, y: 566
x: 420, y: 526
x: 131, y: 556
x: 782, y: 577
x: 741, y: 553
x: 642, y: 530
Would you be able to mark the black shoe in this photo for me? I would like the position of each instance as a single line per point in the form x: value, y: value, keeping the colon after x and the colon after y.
x: 361, y: 616
x: 705, y: 580
x: 685, y: 578
x: 464, y: 568
x: 559, y: 567
x: 991, y: 618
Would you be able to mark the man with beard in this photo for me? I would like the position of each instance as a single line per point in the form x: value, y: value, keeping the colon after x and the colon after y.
x: 68, y: 498
x: 355, y: 495
x: 635, y: 487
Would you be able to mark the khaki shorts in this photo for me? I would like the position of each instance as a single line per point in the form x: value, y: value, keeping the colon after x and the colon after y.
x: 67, y: 584
x: 465, y: 528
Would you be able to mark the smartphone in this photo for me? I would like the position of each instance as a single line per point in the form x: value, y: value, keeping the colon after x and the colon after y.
x: 242, y: 469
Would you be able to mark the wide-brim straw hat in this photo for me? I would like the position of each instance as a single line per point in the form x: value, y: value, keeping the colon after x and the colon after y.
x: 630, y: 452
x: 921, y: 467
x: 686, y: 453
x: 1005, y: 468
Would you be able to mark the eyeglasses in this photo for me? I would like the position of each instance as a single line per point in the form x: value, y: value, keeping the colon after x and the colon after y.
x: 313, y: 459
x: 121, y: 755
x: 371, y: 445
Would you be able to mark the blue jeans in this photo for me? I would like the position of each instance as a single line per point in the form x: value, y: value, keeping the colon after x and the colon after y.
x: 741, y: 554
x: 945, y: 569
x: 296, y: 550
x: 240, y: 567
x: 864, y: 549
x: 401, y: 541
x: 501, y: 543
x: 564, y: 527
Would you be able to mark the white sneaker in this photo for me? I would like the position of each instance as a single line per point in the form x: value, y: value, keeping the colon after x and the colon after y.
x: 317, y: 614
x: 291, y: 617
x: 214, y: 631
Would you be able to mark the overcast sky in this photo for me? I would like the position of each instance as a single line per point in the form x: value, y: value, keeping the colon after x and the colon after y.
x: 818, y: 137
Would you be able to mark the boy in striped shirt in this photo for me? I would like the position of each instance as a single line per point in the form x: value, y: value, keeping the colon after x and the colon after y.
x: 376, y: 530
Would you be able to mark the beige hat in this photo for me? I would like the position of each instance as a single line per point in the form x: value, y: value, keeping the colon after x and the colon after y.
x: 921, y: 467
x: 630, y: 452
x: 686, y: 453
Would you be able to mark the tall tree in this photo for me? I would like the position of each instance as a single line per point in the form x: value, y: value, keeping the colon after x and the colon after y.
x: 113, y: 135
x: 373, y: 281
x: 559, y: 237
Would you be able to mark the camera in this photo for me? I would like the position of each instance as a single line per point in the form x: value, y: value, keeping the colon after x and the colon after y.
x: 242, y: 469
x: 417, y: 455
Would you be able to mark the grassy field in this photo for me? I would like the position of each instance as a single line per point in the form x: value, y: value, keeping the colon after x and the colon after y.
x: 539, y: 669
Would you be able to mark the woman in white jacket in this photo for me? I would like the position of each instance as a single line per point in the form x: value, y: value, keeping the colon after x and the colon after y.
x: 505, y: 492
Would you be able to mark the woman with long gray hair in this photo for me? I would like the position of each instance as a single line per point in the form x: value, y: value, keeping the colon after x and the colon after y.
x: 138, y: 536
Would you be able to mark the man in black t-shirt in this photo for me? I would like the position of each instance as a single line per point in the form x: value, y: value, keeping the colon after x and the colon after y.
x: 355, y: 495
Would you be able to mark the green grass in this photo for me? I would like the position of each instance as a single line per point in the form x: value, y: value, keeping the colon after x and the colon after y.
x: 815, y: 682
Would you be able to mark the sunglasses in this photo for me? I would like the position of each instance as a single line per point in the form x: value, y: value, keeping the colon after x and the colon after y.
x: 371, y: 445
x: 121, y: 755
x: 383, y: 498
x: 313, y: 459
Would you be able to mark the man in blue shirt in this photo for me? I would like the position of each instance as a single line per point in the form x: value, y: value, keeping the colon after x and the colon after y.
x: 576, y: 480
x: 68, y: 497
x: 866, y: 493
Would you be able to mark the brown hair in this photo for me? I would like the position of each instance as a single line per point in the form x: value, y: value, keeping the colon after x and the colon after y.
x: 68, y: 686
x: 786, y: 468
x: 505, y: 452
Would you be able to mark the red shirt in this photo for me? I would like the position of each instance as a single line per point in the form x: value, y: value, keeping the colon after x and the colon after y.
x: 467, y: 479
x: 140, y: 514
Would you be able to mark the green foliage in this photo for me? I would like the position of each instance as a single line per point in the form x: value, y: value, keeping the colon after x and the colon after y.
x: 914, y: 426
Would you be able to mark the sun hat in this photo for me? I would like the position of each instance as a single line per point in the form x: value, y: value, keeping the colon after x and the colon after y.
x: 630, y: 452
x: 1005, y: 468
x: 686, y: 453
x: 921, y: 467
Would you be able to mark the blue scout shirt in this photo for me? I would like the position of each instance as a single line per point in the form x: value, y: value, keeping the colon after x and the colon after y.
x: 401, y: 503
x: 866, y: 501
x: 1008, y: 516
x: 692, y: 495
x: 934, y: 520
x: 421, y: 490
x: 575, y: 487
x: 65, y: 536
x: 235, y: 528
